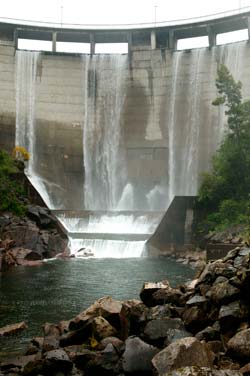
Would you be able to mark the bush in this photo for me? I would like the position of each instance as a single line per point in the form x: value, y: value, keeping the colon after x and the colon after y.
x: 12, y: 194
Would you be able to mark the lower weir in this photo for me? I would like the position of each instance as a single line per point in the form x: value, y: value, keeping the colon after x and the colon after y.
x: 134, y: 132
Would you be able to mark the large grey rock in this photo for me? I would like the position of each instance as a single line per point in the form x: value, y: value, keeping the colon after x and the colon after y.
x: 138, y: 355
x: 104, y: 363
x: 185, y: 352
x: 238, y: 345
x: 161, y: 328
x: 41, y: 216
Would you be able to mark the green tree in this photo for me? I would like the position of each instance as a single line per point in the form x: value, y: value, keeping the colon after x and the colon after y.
x: 228, y: 185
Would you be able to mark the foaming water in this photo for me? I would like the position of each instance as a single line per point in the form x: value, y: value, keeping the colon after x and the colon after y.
x: 112, y: 235
x: 120, y: 223
x: 101, y: 248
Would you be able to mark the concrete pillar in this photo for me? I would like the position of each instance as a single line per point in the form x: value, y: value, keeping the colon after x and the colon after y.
x: 92, y: 43
x: 54, y: 35
x: 153, y: 40
x: 248, y: 27
x: 211, y: 37
x: 172, y: 41
x: 15, y: 39
x: 129, y: 41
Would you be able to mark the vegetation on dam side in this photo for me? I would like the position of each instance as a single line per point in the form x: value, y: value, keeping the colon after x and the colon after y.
x: 13, y: 197
x: 225, y: 191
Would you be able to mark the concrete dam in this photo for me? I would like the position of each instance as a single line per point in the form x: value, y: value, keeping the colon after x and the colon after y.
x: 114, y: 138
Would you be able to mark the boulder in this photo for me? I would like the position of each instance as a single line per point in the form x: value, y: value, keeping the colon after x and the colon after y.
x: 80, y: 357
x: 132, y: 317
x: 224, y: 292
x: 12, y: 329
x: 53, y: 363
x: 41, y: 216
x: 137, y: 356
x: 116, y: 343
x: 159, y: 329
x: 210, y: 333
x: 59, y: 360
x: 149, y: 288
x: 104, y: 363
x: 230, y: 315
x: 106, y: 307
x: 101, y: 328
x: 182, y: 353
x: 166, y: 295
x: 195, y: 318
x: 238, y: 345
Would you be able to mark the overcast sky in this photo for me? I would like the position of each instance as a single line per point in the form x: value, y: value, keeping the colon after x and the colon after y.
x: 113, y: 11
x: 87, y: 12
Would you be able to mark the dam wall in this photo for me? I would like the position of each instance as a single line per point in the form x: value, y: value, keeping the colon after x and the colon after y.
x: 168, y: 128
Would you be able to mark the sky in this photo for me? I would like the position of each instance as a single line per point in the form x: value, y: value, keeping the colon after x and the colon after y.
x: 114, y: 11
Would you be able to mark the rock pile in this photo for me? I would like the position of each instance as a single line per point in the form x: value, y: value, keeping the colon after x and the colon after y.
x: 198, y: 329
x: 28, y: 240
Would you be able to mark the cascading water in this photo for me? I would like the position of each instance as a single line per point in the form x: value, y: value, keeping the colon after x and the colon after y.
x: 26, y: 73
x: 104, y: 156
x: 26, y: 63
x: 106, y: 187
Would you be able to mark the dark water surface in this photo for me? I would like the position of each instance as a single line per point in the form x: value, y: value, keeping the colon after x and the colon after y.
x: 58, y: 290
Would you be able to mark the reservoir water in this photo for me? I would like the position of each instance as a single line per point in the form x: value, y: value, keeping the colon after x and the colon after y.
x: 58, y: 290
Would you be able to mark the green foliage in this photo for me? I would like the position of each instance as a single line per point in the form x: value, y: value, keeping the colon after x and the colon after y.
x: 225, y: 192
x: 11, y: 193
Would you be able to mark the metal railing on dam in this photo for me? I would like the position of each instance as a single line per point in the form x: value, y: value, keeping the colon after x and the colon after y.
x: 164, y: 34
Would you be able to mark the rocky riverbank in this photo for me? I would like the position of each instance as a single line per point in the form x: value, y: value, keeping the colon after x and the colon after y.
x: 30, y: 239
x: 197, y: 329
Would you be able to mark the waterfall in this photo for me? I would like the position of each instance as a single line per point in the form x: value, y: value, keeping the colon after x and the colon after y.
x: 26, y: 63
x: 171, y: 128
x: 26, y: 73
x: 104, y: 155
